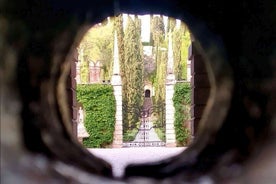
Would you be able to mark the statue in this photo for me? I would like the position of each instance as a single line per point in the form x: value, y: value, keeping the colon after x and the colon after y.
x: 82, y: 133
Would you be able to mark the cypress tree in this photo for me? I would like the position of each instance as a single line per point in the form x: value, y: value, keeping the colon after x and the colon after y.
x: 158, y: 30
x: 133, y: 72
x: 171, y: 24
x: 118, y: 26
x: 158, y: 34
x: 177, y: 42
x: 185, y: 43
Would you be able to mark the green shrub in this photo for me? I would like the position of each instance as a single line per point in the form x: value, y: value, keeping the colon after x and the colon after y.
x: 99, y: 106
x: 160, y: 133
x: 182, y: 101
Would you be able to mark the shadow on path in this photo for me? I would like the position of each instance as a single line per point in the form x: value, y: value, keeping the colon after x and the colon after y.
x: 119, y: 158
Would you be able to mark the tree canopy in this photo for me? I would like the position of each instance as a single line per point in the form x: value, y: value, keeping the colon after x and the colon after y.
x: 133, y: 71
x: 97, y: 45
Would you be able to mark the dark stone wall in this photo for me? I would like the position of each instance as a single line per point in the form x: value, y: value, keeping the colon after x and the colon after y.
x: 71, y: 87
x: 237, y: 131
x: 200, y: 87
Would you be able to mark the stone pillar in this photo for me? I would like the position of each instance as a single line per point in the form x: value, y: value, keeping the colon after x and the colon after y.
x: 170, y: 131
x: 170, y: 82
x: 118, y: 132
x: 116, y: 82
x: 189, y: 75
x: 200, y: 87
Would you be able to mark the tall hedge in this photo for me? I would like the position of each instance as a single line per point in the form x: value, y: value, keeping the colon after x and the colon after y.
x: 99, y: 107
x: 182, y: 103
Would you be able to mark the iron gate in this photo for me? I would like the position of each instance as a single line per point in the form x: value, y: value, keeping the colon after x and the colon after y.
x: 146, y: 134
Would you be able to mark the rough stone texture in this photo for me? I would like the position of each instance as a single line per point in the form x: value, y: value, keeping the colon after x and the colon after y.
x: 200, y: 87
x: 72, y: 93
x: 236, y: 141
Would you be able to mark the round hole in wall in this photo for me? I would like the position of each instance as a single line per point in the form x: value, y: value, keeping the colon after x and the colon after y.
x: 52, y: 140
x: 109, y: 45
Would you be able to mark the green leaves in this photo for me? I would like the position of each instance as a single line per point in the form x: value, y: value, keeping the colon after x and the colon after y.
x: 181, y: 43
x: 182, y: 101
x: 158, y: 29
x: 99, y: 107
x: 96, y: 45
x: 133, y: 76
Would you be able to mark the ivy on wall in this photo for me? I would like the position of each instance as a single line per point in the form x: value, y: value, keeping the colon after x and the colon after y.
x: 99, y: 106
x: 182, y: 101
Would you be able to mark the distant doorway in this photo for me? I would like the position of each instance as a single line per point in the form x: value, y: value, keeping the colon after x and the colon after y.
x: 147, y: 93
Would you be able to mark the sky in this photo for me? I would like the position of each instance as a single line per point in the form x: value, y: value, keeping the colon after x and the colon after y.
x: 145, y: 21
x: 145, y: 33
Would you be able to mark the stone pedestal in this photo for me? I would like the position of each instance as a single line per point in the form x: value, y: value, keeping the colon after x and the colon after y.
x: 82, y: 133
x: 170, y: 131
x: 118, y: 132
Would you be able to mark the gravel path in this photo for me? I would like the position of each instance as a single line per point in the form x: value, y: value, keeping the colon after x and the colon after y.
x: 119, y: 158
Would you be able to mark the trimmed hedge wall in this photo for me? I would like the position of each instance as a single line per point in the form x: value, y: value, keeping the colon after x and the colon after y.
x: 99, y: 119
x: 182, y: 103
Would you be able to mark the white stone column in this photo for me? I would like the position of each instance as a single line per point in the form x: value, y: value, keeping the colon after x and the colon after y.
x: 170, y: 82
x: 116, y: 82
x: 170, y: 131
x: 118, y: 132
x: 78, y: 76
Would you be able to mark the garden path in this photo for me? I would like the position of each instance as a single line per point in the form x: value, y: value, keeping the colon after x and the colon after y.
x: 146, y: 131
